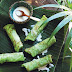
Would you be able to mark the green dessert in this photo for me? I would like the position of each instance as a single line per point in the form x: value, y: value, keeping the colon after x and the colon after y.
x: 40, y: 47
x: 36, y: 29
x: 12, y: 57
x: 10, y: 29
x: 37, y: 63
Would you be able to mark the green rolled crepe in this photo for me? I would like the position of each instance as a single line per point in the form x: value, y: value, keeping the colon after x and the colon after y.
x: 36, y: 29
x: 12, y: 57
x: 10, y: 29
x: 40, y: 47
x: 37, y: 63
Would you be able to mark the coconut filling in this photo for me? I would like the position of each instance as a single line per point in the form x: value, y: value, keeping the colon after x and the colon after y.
x: 28, y: 30
x: 43, y: 53
x: 16, y: 14
x: 44, y: 67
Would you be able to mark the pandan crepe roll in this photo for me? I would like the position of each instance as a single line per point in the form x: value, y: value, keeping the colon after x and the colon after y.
x: 12, y: 57
x: 10, y: 29
x: 37, y: 63
x: 40, y: 47
x: 36, y: 29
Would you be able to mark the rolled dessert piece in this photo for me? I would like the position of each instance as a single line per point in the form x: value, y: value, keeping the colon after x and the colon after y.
x: 39, y: 26
x: 35, y: 64
x: 12, y: 57
x: 10, y: 29
x: 40, y: 47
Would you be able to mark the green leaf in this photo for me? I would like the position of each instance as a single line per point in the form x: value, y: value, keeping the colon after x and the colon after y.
x: 67, y: 42
x: 59, y: 1
x: 60, y: 14
x: 71, y: 63
x: 64, y: 13
x: 61, y: 24
x: 70, y: 46
x: 53, y: 5
x: 69, y: 3
x: 6, y: 44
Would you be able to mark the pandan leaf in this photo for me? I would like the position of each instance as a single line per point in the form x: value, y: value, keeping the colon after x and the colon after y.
x: 69, y: 3
x: 71, y: 63
x: 67, y: 42
x: 61, y: 24
x: 53, y: 5
x: 70, y: 46
x: 59, y: 1
x: 60, y: 14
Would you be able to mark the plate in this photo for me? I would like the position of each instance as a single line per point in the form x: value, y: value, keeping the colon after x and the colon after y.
x: 7, y: 47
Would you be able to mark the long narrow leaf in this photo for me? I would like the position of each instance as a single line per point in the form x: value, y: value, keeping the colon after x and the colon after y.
x: 60, y: 14
x: 69, y: 3
x: 70, y: 46
x: 53, y: 5
x: 59, y: 1
x: 71, y: 63
x: 61, y: 24
x: 67, y: 42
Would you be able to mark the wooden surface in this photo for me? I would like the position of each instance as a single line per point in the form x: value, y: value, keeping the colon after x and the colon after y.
x: 42, y: 2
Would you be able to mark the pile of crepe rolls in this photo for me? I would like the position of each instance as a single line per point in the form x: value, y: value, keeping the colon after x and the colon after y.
x: 33, y: 51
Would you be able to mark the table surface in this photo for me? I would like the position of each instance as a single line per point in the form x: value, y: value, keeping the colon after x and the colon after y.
x: 42, y: 2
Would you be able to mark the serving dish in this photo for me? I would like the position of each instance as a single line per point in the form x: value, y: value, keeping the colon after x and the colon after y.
x: 20, y: 4
x: 7, y: 47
